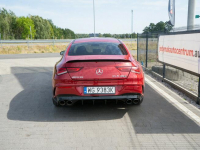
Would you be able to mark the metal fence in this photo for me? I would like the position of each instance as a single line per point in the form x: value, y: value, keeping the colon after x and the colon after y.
x: 147, y: 50
x: 147, y: 45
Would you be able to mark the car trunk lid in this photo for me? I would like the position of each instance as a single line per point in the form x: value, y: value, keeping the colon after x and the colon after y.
x: 98, y: 67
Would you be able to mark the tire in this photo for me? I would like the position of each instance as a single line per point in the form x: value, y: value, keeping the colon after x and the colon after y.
x: 55, y: 103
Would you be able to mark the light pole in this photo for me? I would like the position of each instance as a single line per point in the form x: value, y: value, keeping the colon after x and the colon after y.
x: 191, y: 14
x: 94, y: 17
x: 131, y: 26
x: 131, y: 22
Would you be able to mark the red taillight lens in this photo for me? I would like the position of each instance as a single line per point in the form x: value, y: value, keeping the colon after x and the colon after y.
x: 135, y: 69
x: 61, y: 71
x: 124, y: 69
x: 76, y: 69
x: 64, y: 70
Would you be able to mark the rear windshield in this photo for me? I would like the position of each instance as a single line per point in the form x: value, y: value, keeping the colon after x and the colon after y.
x: 97, y: 48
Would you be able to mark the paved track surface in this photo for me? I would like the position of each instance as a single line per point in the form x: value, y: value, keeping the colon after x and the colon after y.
x: 28, y: 119
x: 28, y: 56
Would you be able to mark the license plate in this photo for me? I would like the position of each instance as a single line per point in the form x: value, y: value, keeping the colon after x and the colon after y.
x: 99, y: 90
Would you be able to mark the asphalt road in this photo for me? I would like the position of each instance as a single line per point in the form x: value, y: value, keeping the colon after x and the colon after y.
x: 36, y: 41
x: 27, y: 56
x: 28, y: 119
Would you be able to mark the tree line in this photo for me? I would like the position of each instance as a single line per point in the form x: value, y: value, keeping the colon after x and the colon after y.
x: 158, y: 27
x: 119, y: 36
x: 35, y: 27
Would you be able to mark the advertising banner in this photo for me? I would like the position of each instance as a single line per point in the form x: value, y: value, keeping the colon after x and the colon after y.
x: 181, y: 50
x: 171, y: 12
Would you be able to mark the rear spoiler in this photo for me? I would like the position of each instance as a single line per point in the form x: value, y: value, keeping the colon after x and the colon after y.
x: 99, y: 60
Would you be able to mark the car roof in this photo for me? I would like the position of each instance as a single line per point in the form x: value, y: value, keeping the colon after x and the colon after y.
x: 83, y: 40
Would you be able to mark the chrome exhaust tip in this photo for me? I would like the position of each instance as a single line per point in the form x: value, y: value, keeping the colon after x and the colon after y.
x: 129, y: 101
x: 69, y: 103
x: 136, y: 101
x: 62, y: 103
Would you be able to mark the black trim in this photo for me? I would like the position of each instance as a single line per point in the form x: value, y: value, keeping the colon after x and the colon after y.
x: 99, y: 60
x: 71, y: 98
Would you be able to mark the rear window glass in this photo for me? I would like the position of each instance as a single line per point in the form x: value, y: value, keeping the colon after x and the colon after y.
x: 97, y: 48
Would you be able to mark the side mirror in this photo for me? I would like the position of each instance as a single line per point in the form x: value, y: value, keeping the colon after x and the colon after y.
x: 62, y: 52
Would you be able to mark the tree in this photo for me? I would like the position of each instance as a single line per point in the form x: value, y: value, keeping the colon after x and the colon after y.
x: 23, y: 25
x: 107, y: 35
x: 12, y: 27
x: 168, y: 26
x: 7, y: 24
x: 134, y: 35
x: 43, y: 28
x: 159, y: 27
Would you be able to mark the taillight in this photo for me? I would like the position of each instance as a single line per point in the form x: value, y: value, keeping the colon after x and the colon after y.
x: 135, y: 69
x: 64, y: 70
x: 75, y: 69
x: 61, y: 71
x: 124, y: 69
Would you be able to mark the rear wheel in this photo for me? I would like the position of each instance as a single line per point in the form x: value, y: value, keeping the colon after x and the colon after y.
x: 55, y: 103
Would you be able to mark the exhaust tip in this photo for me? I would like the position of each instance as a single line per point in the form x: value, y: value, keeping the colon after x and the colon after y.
x: 136, y: 101
x: 129, y: 101
x: 62, y: 103
x: 69, y: 103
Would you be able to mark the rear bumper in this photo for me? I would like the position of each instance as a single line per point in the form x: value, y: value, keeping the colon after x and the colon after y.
x: 78, y: 91
x: 59, y: 98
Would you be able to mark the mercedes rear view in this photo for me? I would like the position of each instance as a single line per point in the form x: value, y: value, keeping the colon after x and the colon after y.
x: 100, y: 69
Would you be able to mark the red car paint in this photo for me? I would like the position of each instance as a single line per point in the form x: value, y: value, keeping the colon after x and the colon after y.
x: 116, y: 72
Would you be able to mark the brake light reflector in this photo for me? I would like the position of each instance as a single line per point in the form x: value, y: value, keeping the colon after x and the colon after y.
x: 74, y: 69
x: 124, y: 69
x: 135, y: 69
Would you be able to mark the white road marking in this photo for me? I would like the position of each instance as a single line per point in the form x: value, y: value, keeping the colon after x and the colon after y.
x: 175, y: 102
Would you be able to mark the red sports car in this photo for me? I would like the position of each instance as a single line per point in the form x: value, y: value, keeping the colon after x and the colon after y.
x: 97, y: 69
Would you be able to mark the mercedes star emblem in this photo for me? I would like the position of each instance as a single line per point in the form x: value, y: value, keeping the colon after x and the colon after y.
x: 99, y: 71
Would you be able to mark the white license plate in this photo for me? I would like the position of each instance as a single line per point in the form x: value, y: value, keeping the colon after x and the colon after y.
x: 99, y: 90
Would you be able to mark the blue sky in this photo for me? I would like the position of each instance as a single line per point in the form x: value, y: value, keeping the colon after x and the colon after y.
x: 112, y: 16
